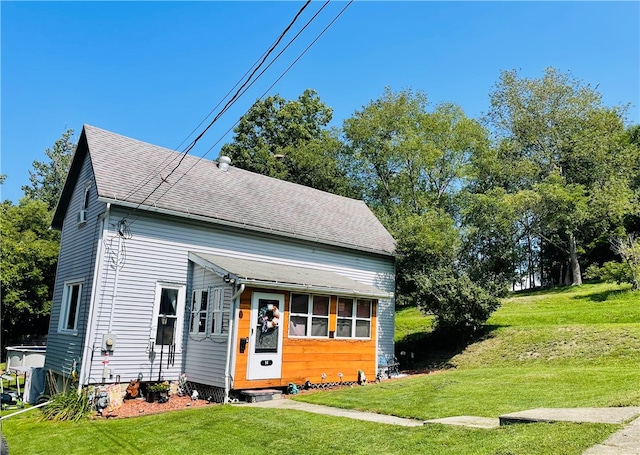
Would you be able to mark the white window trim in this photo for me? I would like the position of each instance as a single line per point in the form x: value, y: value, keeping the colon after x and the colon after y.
x: 65, y: 306
x: 216, y: 303
x: 180, y: 305
x: 309, y: 315
x: 354, y: 318
x: 196, y: 296
x: 214, y: 311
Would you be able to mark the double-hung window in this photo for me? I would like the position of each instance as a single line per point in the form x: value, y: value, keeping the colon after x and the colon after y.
x: 70, y: 305
x: 309, y: 315
x: 354, y: 318
x: 169, y: 311
x: 206, y: 311
x: 217, y: 301
x: 199, y: 309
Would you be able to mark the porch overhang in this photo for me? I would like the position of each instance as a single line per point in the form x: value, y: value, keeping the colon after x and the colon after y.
x: 255, y: 273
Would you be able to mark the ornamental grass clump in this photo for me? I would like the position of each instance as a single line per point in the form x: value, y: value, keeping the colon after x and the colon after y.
x: 68, y: 405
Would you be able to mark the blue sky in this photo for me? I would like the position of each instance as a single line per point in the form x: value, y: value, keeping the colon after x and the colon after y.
x: 154, y: 70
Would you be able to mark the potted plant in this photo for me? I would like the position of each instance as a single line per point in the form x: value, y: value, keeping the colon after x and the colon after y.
x: 158, y: 391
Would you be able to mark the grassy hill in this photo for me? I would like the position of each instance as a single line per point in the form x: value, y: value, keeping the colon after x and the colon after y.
x: 562, y: 348
x: 569, y: 347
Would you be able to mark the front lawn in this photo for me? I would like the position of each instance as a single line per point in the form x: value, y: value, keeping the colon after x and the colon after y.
x: 573, y: 347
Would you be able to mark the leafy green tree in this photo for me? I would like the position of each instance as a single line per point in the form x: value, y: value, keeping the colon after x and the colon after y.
x: 289, y: 140
x: 405, y: 159
x: 555, y: 138
x: 493, y: 244
x: 409, y: 164
x: 28, y: 267
x: 48, y: 177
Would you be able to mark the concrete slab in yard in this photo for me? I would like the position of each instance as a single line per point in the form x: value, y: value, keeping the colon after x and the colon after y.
x: 468, y: 421
x: 588, y: 415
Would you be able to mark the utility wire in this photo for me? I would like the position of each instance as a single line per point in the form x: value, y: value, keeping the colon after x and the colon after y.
x: 229, y: 103
x: 262, y: 96
x: 168, y: 160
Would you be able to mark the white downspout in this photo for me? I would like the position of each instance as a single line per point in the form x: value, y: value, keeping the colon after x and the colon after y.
x: 85, y: 368
x: 230, y: 341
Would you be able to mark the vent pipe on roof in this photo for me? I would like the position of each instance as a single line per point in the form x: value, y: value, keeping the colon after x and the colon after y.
x: 223, y: 163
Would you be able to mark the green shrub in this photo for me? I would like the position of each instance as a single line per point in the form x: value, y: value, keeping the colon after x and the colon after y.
x: 457, y: 303
x: 611, y: 271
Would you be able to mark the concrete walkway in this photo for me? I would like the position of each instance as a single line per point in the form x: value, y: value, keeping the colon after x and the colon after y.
x: 328, y: 410
x: 624, y: 442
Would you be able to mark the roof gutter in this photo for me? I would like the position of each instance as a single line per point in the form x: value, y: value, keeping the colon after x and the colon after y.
x: 223, y: 222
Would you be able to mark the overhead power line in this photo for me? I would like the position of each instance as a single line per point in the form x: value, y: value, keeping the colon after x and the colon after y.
x: 229, y: 103
x: 243, y: 88
x: 262, y: 96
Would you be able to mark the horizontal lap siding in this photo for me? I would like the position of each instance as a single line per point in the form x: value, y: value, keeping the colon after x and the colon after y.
x: 307, y: 359
x: 205, y: 358
x: 75, y: 261
x: 158, y: 251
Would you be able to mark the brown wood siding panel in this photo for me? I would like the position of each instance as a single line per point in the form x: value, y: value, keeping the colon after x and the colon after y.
x: 306, y: 359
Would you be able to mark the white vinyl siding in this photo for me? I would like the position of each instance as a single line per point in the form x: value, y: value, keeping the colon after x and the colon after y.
x: 78, y: 246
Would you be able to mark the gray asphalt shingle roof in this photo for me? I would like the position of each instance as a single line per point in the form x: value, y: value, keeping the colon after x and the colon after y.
x: 127, y: 171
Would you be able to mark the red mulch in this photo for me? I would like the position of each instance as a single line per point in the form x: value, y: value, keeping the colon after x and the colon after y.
x: 138, y: 407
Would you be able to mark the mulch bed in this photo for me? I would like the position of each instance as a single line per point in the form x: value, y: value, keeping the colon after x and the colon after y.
x: 138, y: 407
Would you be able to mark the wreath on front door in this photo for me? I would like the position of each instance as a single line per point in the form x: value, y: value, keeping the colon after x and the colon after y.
x: 269, y: 317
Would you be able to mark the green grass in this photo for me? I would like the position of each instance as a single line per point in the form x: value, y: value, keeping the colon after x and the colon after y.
x: 572, y: 347
x: 242, y: 430
x: 411, y: 321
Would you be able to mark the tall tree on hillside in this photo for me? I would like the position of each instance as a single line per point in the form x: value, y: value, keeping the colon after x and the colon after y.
x: 406, y: 159
x: 48, y: 177
x: 409, y: 163
x: 289, y: 140
x: 556, y: 139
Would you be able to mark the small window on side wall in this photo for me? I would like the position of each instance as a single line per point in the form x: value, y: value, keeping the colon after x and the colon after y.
x: 70, y: 305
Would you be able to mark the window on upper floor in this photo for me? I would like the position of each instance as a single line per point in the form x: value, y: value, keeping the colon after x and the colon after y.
x: 87, y: 192
x: 309, y: 315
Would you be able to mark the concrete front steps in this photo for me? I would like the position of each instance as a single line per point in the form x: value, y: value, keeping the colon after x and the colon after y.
x: 258, y: 396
